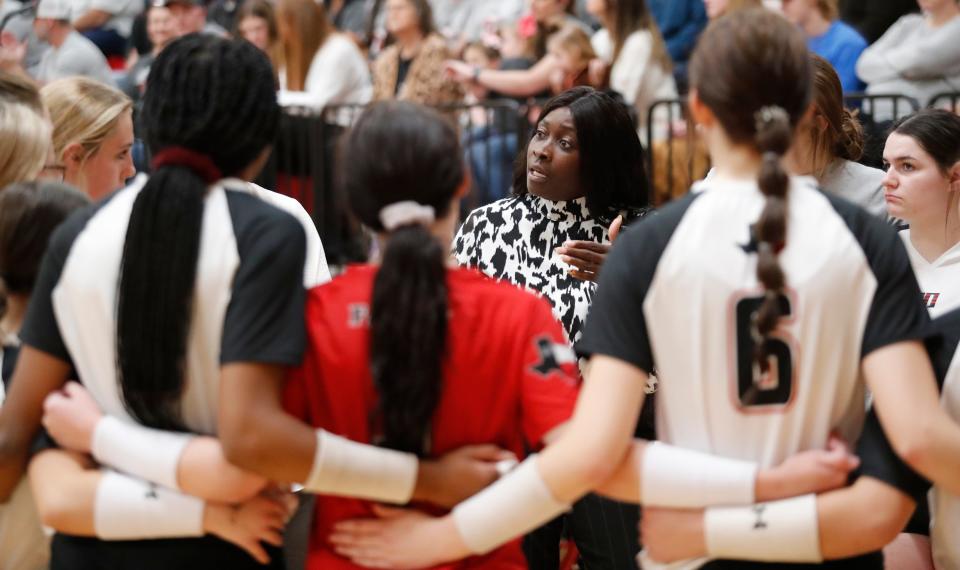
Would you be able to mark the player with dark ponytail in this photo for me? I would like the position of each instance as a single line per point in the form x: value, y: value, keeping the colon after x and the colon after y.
x: 409, y: 353
x: 761, y: 302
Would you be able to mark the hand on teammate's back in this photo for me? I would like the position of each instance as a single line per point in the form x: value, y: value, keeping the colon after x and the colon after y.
x: 70, y: 416
x: 261, y: 519
x: 459, y: 474
x: 587, y: 257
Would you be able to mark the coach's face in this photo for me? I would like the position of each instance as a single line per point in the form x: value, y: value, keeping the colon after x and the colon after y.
x: 553, y: 158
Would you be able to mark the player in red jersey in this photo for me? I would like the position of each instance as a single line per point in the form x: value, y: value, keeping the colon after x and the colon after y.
x: 410, y: 354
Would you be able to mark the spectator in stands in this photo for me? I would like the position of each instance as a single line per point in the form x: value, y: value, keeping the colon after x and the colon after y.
x: 830, y: 141
x: 24, y: 130
x: 321, y: 65
x: 107, y: 23
x: 465, y: 21
x: 16, y: 17
x: 191, y: 17
x: 257, y: 23
x: 92, y: 134
x: 632, y: 47
x: 829, y: 37
x: 717, y: 8
x: 412, y: 68
x: 70, y: 53
x: 161, y: 29
x: 919, y: 56
x: 680, y: 23
x: 872, y: 18
x: 572, y: 49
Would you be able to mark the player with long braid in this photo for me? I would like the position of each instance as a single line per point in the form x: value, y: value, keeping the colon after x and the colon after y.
x: 761, y: 302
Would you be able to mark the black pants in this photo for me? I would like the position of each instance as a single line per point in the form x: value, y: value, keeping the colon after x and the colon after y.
x: 873, y: 561
x: 205, y: 553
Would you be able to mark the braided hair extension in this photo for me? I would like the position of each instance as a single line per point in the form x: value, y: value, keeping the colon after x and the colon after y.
x: 410, y: 301
x: 752, y: 69
x: 214, y: 97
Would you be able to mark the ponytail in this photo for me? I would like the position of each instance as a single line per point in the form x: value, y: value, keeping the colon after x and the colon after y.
x: 400, y: 196
x: 154, y: 305
x: 408, y: 331
x: 210, y: 110
x: 773, y: 139
x: 851, y: 140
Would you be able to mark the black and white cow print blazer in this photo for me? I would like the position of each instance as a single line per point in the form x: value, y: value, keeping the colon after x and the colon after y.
x: 514, y: 239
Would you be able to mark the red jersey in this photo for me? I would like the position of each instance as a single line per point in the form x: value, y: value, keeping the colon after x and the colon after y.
x: 509, y: 378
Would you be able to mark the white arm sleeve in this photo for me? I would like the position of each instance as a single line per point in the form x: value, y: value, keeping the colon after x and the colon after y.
x: 146, y: 453
x: 350, y: 469
x: 130, y: 509
x: 680, y: 478
x: 780, y: 531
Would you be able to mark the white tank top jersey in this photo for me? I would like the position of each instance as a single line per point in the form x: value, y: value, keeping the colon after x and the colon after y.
x: 939, y: 280
x: 678, y: 291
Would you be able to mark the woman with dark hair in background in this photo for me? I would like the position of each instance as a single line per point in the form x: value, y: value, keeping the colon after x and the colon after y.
x: 29, y: 212
x: 579, y: 178
x: 830, y: 141
x: 410, y: 354
x: 411, y: 69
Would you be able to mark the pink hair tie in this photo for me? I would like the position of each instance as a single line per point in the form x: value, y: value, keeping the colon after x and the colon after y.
x: 198, y: 162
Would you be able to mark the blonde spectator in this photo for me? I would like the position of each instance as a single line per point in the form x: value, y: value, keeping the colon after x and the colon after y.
x: 24, y: 131
x: 412, y: 68
x: 92, y: 134
x: 573, y: 52
x: 321, y: 66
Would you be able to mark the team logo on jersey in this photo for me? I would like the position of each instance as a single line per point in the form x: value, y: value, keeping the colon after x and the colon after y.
x: 358, y: 315
x: 552, y: 356
x: 930, y: 299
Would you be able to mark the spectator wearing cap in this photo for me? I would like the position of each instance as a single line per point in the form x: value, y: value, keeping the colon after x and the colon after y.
x: 70, y: 53
x: 190, y: 17
x: 107, y: 23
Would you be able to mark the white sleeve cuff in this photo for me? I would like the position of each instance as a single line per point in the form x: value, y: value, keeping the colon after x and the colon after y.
x: 514, y: 505
x: 680, y: 478
x: 130, y: 509
x: 146, y: 453
x: 347, y: 468
x: 780, y: 531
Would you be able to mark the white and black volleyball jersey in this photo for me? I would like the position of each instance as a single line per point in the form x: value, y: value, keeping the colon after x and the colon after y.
x: 679, y: 290
x: 939, y: 280
x: 944, y: 506
x: 248, y: 298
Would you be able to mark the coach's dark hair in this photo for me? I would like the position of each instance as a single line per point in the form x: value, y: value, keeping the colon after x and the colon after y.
x: 408, y: 317
x: 612, y: 172
x: 214, y: 97
x: 751, y: 68
x: 937, y: 131
x: 29, y: 212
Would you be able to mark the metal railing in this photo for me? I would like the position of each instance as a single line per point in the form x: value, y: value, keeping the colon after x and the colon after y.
x: 949, y: 101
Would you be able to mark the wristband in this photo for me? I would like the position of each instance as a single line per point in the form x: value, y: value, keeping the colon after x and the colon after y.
x: 681, y: 478
x: 512, y: 506
x: 350, y: 469
x: 783, y: 531
x: 130, y: 509
x: 145, y: 453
